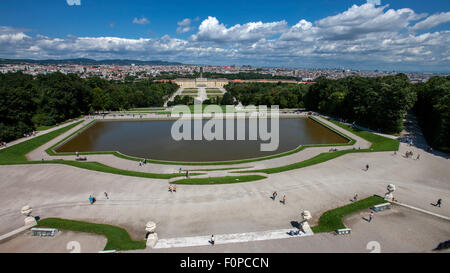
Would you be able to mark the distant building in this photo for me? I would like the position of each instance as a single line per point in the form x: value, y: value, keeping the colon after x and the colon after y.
x: 201, y: 82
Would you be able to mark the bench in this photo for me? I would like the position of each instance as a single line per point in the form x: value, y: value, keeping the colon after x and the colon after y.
x: 343, y: 231
x: 44, y: 232
x: 382, y: 207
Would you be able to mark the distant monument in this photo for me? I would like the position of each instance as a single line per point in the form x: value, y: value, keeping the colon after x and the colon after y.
x: 201, y: 82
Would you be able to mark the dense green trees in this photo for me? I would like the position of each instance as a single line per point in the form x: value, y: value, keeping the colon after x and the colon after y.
x: 376, y: 103
x: 433, y: 111
x: 286, y: 95
x: 27, y: 102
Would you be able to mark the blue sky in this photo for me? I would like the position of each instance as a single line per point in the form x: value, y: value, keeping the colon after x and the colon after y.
x: 400, y: 35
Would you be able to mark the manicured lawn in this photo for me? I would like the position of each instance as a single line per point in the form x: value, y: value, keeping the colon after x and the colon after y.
x: 16, y: 154
x: 379, y: 144
x: 219, y: 180
x: 332, y: 219
x: 118, y: 238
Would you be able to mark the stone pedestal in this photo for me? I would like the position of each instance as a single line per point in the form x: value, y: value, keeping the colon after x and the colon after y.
x: 30, y: 221
x: 388, y: 196
x: 152, y: 239
x: 304, y: 226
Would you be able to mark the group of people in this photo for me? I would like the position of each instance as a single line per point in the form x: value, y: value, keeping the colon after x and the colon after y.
x: 410, y: 154
x: 274, y: 196
x: 333, y: 150
x: 173, y: 188
x: 92, y: 198
x: 29, y: 134
x: 143, y: 162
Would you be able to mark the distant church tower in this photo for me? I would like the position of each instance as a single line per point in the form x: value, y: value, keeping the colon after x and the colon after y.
x: 201, y: 72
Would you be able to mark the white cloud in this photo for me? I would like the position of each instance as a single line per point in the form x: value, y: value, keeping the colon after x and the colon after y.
x: 141, y: 21
x: 363, y: 37
x: 213, y: 31
x: 184, y: 26
x: 432, y: 21
x: 73, y: 2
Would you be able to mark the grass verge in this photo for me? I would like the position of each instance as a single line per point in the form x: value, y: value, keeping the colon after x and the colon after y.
x: 219, y: 180
x: 15, y: 155
x: 379, y: 144
x: 332, y: 219
x: 118, y: 238
x: 51, y: 151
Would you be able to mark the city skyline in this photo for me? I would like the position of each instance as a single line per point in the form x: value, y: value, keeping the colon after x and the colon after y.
x: 363, y: 35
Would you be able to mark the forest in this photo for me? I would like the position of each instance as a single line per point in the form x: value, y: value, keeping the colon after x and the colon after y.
x: 27, y: 102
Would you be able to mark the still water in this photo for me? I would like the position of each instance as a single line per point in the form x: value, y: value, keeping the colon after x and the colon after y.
x: 153, y: 140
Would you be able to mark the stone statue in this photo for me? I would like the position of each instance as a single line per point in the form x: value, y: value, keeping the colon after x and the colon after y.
x: 152, y: 237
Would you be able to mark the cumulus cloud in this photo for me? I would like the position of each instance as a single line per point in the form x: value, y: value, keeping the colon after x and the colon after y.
x: 365, y: 36
x: 73, y: 2
x: 432, y: 21
x: 141, y: 21
x: 211, y: 30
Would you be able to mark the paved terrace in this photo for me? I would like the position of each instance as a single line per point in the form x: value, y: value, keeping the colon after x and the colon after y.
x: 63, y: 191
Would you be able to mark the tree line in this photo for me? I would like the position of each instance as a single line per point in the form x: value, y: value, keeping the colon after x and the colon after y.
x: 27, y: 102
x: 376, y: 103
x: 433, y: 111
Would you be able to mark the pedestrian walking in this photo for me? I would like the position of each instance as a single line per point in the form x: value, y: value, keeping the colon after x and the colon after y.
x: 355, y: 198
x: 174, y: 188
x: 439, y: 202
x: 274, y: 195
x: 213, y: 241
x: 77, y: 154
x: 170, y: 188
x: 284, y: 200
x: 418, y: 157
x: 106, y: 196
x: 367, y: 167
x: 370, y: 217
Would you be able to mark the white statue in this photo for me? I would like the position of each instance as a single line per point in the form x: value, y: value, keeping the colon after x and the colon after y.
x: 152, y: 236
x: 390, y: 194
x: 306, y: 215
x: 29, y: 220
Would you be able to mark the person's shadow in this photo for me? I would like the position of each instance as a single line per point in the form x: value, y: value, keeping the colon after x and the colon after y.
x: 273, y: 197
x: 364, y: 218
x: 433, y: 204
x: 295, y: 224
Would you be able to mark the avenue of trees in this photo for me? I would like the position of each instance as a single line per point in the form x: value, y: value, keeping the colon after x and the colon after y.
x: 27, y: 102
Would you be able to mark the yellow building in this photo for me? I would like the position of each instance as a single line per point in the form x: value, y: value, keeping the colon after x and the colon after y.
x: 201, y: 82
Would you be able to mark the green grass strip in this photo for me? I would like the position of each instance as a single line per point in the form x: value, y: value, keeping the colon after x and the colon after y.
x: 16, y: 153
x: 379, y: 144
x: 51, y: 151
x: 219, y: 180
x: 332, y: 219
x: 118, y: 238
